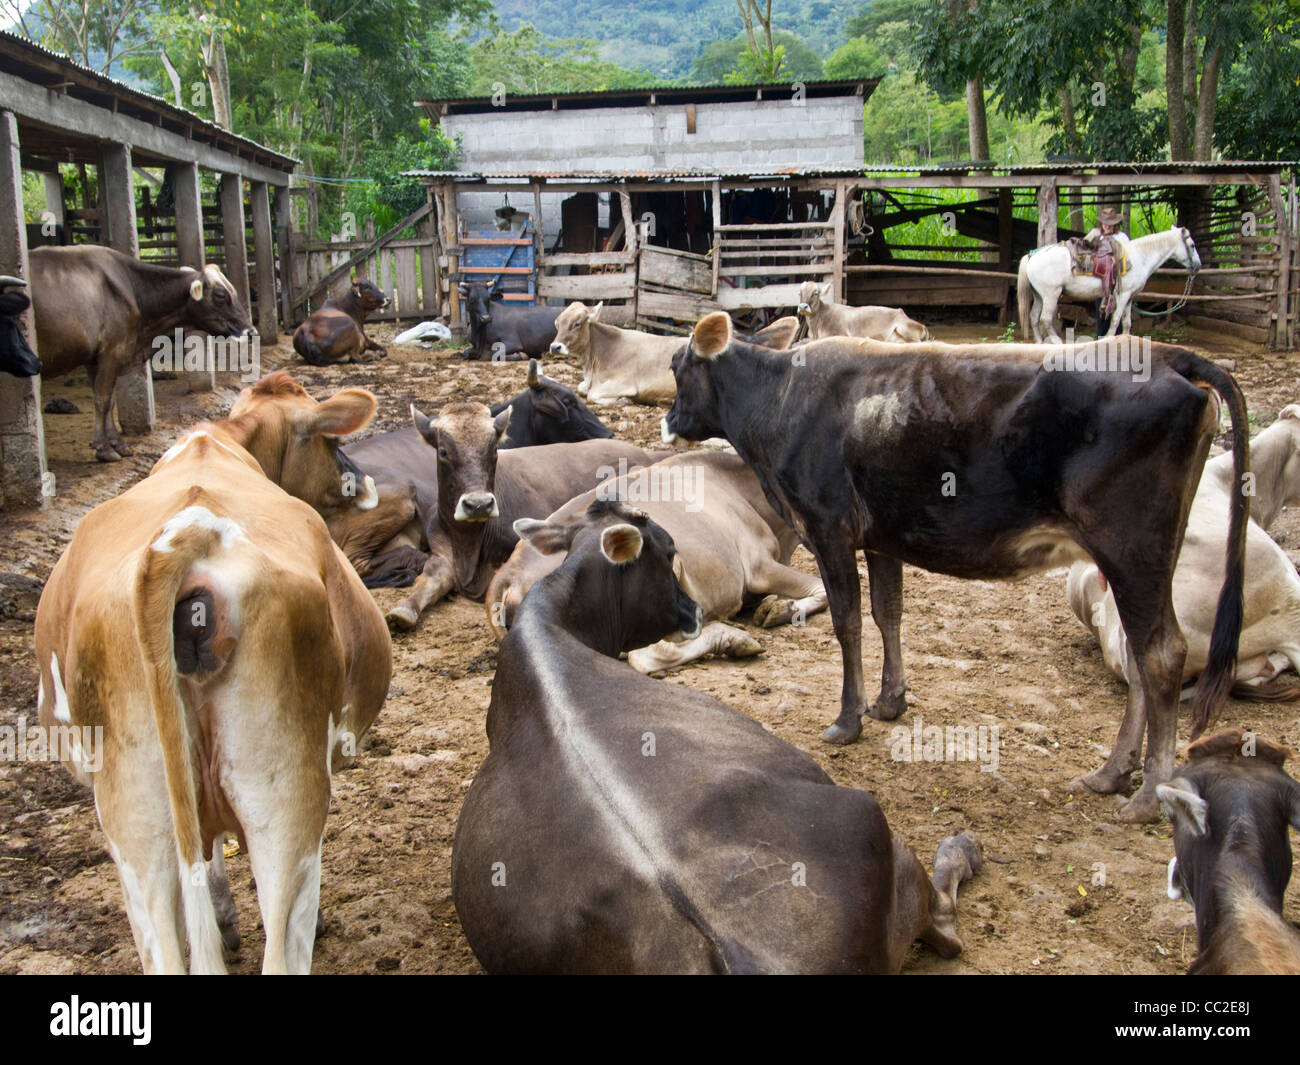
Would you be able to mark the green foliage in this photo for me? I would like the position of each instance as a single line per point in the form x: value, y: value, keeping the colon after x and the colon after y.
x: 1260, y: 97
x: 856, y: 58
x: 733, y: 62
x: 524, y: 61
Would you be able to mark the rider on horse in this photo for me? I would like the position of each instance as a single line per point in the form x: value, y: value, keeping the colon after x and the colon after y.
x: 1103, y: 239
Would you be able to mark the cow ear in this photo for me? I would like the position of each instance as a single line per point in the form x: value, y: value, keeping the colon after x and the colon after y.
x: 497, y: 294
x: 826, y: 291
x: 424, y: 424
x: 546, y: 537
x: 463, y: 289
x: 1292, y: 412
x: 534, y: 374
x: 1186, y: 808
x: 712, y: 335
x: 344, y: 412
x: 621, y: 543
x: 1172, y: 887
x: 594, y: 313
x: 501, y: 422
x: 196, y: 289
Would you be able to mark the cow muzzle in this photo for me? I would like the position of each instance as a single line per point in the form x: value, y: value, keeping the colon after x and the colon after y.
x: 692, y: 624
x: 666, y: 434
x: 477, y: 506
x: 559, y: 349
x: 803, y: 309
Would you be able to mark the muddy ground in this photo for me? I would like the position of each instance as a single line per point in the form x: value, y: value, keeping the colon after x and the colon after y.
x: 979, y: 653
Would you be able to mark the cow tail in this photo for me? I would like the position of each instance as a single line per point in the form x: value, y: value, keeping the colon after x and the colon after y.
x: 1216, y: 681
x: 162, y: 570
x: 1024, y: 298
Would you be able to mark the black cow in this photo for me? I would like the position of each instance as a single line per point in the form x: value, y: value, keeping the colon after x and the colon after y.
x: 985, y: 461
x: 501, y: 332
x: 629, y: 825
x: 16, y: 355
x: 1231, y: 805
x: 547, y: 412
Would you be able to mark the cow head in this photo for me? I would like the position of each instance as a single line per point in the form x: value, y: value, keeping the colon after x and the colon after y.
x: 296, y: 441
x: 694, y: 414
x: 478, y: 297
x: 812, y: 296
x: 573, y: 329
x: 369, y: 296
x: 465, y: 437
x: 213, y: 306
x: 16, y: 355
x: 549, y: 413
x: 618, y: 585
x: 1230, y: 807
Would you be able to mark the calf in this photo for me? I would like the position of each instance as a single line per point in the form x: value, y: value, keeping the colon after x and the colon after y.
x: 733, y: 550
x: 624, y: 824
x: 336, y: 332
x: 1231, y: 805
x: 468, y: 494
x: 1270, y: 633
x: 827, y: 319
x: 227, y: 656
x: 984, y: 461
x: 501, y: 331
x: 547, y: 412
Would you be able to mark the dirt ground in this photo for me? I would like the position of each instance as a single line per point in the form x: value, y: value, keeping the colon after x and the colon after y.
x: 979, y: 653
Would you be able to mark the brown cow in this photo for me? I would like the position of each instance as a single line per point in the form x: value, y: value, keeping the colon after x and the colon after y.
x: 827, y: 319
x: 98, y: 308
x: 336, y: 332
x: 1231, y: 805
x: 212, y: 655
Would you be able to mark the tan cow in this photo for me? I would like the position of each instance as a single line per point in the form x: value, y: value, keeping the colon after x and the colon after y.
x: 216, y: 655
x: 1270, y: 631
x: 827, y: 319
x: 732, y: 549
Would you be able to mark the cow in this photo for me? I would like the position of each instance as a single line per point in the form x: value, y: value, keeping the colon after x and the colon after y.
x: 16, y: 355
x: 468, y: 493
x: 732, y: 552
x: 1230, y: 806
x: 546, y: 412
x: 628, y: 364
x: 1270, y: 631
x: 99, y: 308
x: 986, y: 461
x: 336, y: 333
x: 212, y: 657
x: 501, y: 331
x: 622, y: 824
x: 827, y: 319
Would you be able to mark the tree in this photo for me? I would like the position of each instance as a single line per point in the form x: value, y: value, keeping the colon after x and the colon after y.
x: 721, y: 59
x: 856, y: 58
x: 760, y: 60
x: 526, y: 62
x: 96, y: 33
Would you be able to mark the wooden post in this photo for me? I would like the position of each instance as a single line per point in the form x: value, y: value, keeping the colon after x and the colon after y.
x: 1281, y: 227
x: 630, y: 243
x: 837, y: 221
x: 284, y: 238
x: 184, y: 178
x: 1048, y: 201
x: 451, y: 239
x: 430, y: 290
x: 233, y: 236
x: 23, y: 473
x: 716, y: 249
x: 135, y: 404
x: 268, y: 326
x: 1004, y: 249
x: 54, y: 196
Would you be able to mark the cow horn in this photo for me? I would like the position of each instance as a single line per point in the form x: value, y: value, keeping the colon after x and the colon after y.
x: 8, y: 281
x: 534, y: 375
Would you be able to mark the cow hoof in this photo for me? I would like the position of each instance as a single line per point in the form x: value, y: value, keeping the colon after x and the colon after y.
x: 104, y: 453
x: 744, y: 647
x: 1142, y: 809
x: 846, y: 730
x: 889, y: 708
x: 122, y: 447
x: 1099, y: 782
x: 773, y: 611
x: 402, y: 618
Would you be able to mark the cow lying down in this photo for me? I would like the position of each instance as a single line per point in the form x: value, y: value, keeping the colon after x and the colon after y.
x: 337, y: 332
x: 732, y: 550
x: 625, y: 824
x: 1231, y: 805
x: 1270, y: 629
x: 827, y: 319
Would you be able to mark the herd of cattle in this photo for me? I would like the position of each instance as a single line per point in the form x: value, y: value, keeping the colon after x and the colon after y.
x: 224, y: 598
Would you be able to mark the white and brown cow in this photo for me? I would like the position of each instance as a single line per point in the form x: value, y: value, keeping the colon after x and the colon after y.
x: 207, y: 627
x: 827, y: 319
x: 1270, y: 628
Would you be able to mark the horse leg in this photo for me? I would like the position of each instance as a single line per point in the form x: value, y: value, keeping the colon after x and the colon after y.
x: 1050, y: 300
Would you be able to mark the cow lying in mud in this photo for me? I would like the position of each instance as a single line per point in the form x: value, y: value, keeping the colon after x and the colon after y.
x: 732, y: 551
x: 500, y: 331
x: 628, y: 364
x: 827, y: 319
x: 1270, y: 632
x: 469, y: 492
x: 624, y: 824
x: 1231, y: 805
x: 985, y: 461
x: 98, y: 308
x: 547, y: 412
x: 337, y: 332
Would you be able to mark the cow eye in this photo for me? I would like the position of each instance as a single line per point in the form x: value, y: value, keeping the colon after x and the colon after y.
x: 442, y: 453
x: 222, y: 296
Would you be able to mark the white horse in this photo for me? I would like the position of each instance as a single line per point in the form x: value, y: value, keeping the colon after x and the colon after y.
x: 1045, y: 272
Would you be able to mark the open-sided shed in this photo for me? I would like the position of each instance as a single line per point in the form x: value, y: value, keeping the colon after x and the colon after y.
x: 54, y: 111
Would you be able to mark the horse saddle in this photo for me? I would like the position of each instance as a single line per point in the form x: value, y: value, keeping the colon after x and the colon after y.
x: 1084, y: 259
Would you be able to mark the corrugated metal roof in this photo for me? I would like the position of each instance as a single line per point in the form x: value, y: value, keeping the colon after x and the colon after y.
x: 1159, y: 167
x: 14, y: 45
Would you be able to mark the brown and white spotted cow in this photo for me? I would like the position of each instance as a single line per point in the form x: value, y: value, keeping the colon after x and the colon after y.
x: 224, y: 656
x: 337, y: 332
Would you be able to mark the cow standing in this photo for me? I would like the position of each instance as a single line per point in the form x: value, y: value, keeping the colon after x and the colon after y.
x: 336, y: 333
x: 627, y: 825
x: 98, y: 308
x: 983, y: 462
x: 501, y: 332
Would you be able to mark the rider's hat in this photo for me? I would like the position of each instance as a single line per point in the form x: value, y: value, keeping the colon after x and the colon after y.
x: 1109, y: 216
